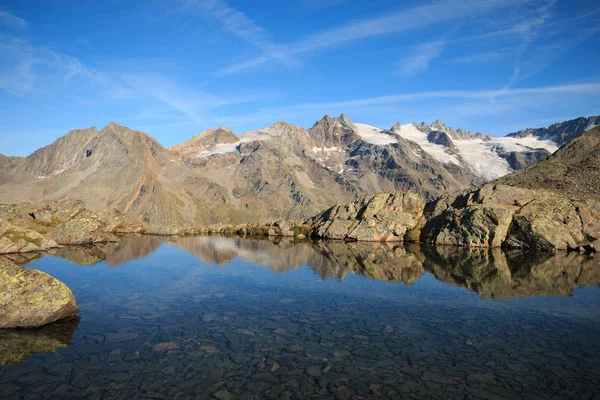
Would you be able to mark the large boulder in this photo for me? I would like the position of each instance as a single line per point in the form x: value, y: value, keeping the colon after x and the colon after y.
x: 30, y: 298
x: 83, y: 229
x: 376, y: 218
x: 14, y: 239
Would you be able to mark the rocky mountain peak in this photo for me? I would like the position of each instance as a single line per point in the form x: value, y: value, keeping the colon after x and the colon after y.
x: 561, y: 132
x: 423, y: 127
x: 397, y: 127
x: 333, y: 132
x: 438, y: 125
x: 345, y: 121
x: 206, y: 141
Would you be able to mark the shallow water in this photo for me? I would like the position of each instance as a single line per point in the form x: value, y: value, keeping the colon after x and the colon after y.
x: 213, y: 317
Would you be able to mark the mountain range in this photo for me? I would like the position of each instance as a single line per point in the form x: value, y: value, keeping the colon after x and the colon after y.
x: 279, y: 172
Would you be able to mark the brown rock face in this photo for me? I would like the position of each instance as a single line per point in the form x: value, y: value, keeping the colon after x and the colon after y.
x: 376, y: 218
x: 30, y: 298
x: 206, y: 141
x: 275, y: 173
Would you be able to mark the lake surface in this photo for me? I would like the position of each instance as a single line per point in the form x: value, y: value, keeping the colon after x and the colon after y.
x: 228, y: 318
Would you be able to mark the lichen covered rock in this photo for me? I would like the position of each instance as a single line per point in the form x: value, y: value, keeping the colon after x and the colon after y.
x: 14, y: 239
x: 30, y: 298
x: 500, y: 215
x: 377, y: 218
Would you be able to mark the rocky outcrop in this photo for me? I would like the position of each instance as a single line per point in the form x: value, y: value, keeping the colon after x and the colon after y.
x: 63, y: 222
x: 500, y: 215
x: 14, y: 239
x: 30, y: 298
x: 378, y: 218
x: 555, y: 204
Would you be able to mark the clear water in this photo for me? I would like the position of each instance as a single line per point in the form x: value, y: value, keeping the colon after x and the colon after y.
x: 227, y: 318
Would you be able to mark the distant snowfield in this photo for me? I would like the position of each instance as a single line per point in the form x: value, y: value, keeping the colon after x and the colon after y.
x: 412, y: 133
x: 374, y: 135
x: 479, y: 155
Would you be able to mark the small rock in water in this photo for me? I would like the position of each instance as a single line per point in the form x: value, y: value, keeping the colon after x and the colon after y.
x: 165, y: 346
x: 468, y: 342
x: 224, y: 395
x: 210, y: 349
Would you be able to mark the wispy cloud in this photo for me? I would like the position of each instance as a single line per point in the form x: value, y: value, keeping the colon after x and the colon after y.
x: 482, y: 98
x: 232, y: 20
x: 528, y: 30
x: 480, y: 58
x: 414, y: 18
x: 419, y: 62
x: 237, y: 23
x: 192, y: 104
x: 11, y: 21
x: 24, y: 63
x: 318, y: 5
x: 196, y: 105
x: 466, y: 94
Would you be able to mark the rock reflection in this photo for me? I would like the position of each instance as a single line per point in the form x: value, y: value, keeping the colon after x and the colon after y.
x: 492, y: 273
x: 17, y: 345
x: 497, y: 274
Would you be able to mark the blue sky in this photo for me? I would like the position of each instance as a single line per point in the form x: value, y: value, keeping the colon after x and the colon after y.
x: 174, y: 68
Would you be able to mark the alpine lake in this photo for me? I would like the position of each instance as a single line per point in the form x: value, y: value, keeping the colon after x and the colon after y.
x: 233, y: 318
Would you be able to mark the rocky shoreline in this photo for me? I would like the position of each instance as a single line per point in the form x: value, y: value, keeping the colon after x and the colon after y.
x: 494, y: 215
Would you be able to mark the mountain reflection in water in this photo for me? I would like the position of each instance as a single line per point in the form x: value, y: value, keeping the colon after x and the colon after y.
x: 492, y: 273
x: 232, y: 318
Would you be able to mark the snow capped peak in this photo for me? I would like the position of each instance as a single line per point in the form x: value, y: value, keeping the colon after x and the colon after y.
x: 396, y: 127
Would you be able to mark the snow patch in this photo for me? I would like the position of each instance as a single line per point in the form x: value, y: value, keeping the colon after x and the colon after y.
x: 327, y: 149
x: 482, y: 159
x: 372, y: 134
x: 522, y: 144
x: 480, y: 156
x: 412, y: 133
x: 223, y: 148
